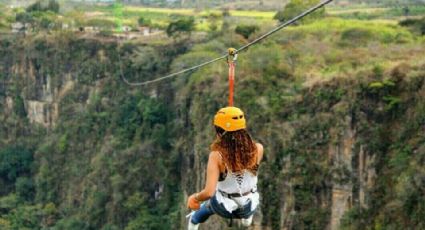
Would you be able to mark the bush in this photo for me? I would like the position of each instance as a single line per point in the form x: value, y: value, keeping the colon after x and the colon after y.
x: 15, y: 161
x: 51, y: 5
x: 46, y: 23
x: 106, y: 33
x: 408, y: 22
x: 26, y: 217
x: 357, y: 36
x: 144, y: 22
x: 296, y: 7
x: 25, y: 188
x: 24, y: 18
x: 181, y: 26
x: 246, y: 30
x: 72, y: 223
x: 417, y: 25
x: 8, y: 203
x: 101, y: 23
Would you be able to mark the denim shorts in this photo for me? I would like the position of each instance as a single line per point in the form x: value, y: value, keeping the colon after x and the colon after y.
x: 212, y: 206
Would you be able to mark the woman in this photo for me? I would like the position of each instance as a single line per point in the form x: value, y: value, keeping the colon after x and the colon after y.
x: 231, y: 184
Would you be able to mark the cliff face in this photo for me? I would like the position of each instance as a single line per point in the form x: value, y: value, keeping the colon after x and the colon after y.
x: 341, y: 153
x: 332, y: 152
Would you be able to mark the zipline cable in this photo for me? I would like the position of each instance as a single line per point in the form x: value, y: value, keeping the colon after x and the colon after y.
x: 286, y: 24
x: 169, y: 75
x: 262, y: 37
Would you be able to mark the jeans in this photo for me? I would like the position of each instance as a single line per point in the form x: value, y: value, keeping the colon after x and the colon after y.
x: 212, y: 206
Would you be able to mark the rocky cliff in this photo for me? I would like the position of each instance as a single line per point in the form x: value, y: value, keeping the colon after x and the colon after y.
x: 343, y: 152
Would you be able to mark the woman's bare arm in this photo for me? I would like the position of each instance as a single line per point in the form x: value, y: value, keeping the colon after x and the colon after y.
x: 213, y: 172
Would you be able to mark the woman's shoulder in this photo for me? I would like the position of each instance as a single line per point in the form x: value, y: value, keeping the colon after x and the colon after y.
x: 215, y: 156
x: 260, y: 147
x: 260, y: 151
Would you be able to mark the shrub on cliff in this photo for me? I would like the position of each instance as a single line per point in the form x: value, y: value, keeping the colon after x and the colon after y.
x: 15, y: 161
x: 296, y: 7
x: 417, y: 25
x: 182, y: 26
x: 246, y: 30
x: 43, y: 5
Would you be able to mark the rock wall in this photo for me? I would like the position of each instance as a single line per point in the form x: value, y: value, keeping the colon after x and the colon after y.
x: 341, y: 155
x: 43, y: 108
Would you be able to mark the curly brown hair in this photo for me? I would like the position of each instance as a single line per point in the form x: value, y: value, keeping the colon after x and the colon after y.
x: 237, y: 149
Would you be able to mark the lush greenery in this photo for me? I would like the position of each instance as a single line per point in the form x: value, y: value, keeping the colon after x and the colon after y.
x: 181, y: 26
x: 103, y: 155
x: 296, y: 7
x: 51, y: 5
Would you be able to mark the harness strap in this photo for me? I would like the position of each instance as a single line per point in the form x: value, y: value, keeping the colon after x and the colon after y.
x: 231, y: 82
x: 232, y: 195
x: 232, y: 63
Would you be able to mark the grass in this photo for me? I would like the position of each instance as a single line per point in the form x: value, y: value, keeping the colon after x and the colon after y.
x: 333, y: 54
x: 384, y: 30
x: 375, y: 13
x: 413, y: 11
x: 335, y: 11
x: 192, y: 12
x: 160, y: 17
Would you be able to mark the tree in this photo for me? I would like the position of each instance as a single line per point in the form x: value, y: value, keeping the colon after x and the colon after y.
x: 24, y: 18
x: 246, y: 30
x: 213, y: 20
x: 46, y: 23
x: 182, y: 26
x: 15, y: 161
x: 36, y: 6
x: 52, y: 5
x: 296, y: 7
x: 145, y: 60
x: 144, y: 22
x: 406, y: 11
x: 417, y: 25
x: 25, y: 188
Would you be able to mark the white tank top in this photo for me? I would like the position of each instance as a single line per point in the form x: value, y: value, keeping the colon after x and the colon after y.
x: 238, y: 182
x: 241, y: 183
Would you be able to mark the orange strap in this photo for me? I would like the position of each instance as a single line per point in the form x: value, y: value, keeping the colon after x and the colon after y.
x: 231, y: 81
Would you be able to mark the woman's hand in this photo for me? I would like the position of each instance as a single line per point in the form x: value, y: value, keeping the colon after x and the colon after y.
x: 193, y: 203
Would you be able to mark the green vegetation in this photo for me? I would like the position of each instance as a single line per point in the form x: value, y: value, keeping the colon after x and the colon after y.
x: 182, y: 26
x: 388, y: 12
x: 246, y: 30
x: 143, y: 22
x: 416, y: 25
x: 296, y: 7
x: 79, y: 149
x: 50, y: 5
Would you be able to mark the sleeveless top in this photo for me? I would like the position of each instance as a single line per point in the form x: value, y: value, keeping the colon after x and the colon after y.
x: 241, y: 183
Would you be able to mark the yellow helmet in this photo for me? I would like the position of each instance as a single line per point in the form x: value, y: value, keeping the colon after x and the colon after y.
x: 230, y: 119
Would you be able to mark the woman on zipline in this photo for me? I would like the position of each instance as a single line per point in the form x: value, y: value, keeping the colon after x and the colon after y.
x: 231, y: 183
